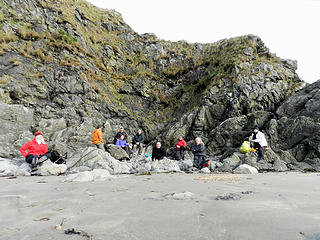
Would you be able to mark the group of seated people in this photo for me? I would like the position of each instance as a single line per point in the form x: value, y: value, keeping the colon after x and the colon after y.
x: 120, y: 139
x: 158, y: 151
x: 198, y: 150
x: 36, y: 150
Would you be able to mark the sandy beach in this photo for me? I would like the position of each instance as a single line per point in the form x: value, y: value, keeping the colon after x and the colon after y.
x: 265, y: 206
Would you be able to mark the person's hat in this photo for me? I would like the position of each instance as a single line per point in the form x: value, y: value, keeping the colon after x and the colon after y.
x: 121, y: 128
x: 256, y: 127
x: 38, y: 133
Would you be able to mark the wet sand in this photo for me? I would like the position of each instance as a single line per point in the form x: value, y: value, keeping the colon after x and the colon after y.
x: 280, y: 206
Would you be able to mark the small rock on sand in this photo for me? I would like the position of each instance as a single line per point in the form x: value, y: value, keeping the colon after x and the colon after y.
x: 179, y: 196
x: 228, y: 196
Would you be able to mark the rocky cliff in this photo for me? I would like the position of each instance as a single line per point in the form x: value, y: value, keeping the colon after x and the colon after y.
x: 66, y: 66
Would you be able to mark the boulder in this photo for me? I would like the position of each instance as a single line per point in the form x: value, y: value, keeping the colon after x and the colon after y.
x: 7, y: 168
x: 205, y: 170
x: 280, y: 166
x: 23, y: 170
x: 48, y: 168
x: 160, y: 166
x: 270, y: 156
x: 245, y: 169
x: 117, y: 152
x: 230, y: 163
x: 89, y: 176
x: 94, y: 158
x: 185, y: 164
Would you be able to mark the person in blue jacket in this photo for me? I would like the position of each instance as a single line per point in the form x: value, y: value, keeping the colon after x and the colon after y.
x: 121, y: 142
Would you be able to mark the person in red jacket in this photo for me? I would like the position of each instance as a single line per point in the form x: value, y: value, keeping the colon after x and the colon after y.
x: 35, y: 150
x: 178, y: 152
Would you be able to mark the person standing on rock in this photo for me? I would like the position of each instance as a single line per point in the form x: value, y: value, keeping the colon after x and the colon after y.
x: 178, y: 152
x: 97, y: 137
x: 35, y: 150
x: 119, y: 134
x: 259, y: 142
x: 158, y: 152
x: 138, y: 141
x: 199, y: 154
x: 121, y: 142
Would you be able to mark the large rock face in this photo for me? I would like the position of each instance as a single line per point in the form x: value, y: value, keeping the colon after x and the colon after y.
x: 16, y: 122
x: 296, y: 132
x: 67, y: 66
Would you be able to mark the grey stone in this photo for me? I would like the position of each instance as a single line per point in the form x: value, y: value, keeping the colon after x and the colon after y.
x: 117, y: 152
x: 7, y: 168
x: 23, y: 170
x: 230, y: 163
x: 228, y: 196
x: 94, y: 158
x: 205, y: 170
x: 164, y: 165
x: 245, y: 169
x: 179, y: 196
x: 89, y: 176
x: 185, y: 164
x: 280, y: 166
x: 48, y: 168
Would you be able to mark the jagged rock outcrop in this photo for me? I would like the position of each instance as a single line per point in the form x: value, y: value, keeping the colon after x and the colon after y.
x: 66, y: 66
x: 295, y: 135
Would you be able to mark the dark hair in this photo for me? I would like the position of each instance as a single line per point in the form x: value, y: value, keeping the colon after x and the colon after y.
x: 99, y: 126
x: 256, y: 127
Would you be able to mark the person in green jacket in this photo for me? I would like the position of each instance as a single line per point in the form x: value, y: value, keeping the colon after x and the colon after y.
x: 137, y: 142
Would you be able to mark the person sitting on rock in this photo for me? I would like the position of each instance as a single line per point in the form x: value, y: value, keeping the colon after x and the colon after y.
x: 178, y: 152
x: 119, y: 134
x: 158, y: 152
x: 138, y: 141
x: 36, y: 150
x: 199, y: 154
x: 259, y: 142
x: 121, y: 142
x: 97, y: 137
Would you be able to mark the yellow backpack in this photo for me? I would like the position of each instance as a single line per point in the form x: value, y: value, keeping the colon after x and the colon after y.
x: 245, y: 147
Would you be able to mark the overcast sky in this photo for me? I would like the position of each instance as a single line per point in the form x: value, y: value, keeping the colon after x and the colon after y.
x: 290, y: 28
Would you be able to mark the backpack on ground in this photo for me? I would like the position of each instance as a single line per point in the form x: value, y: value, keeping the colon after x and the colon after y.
x: 245, y: 147
x: 57, y: 158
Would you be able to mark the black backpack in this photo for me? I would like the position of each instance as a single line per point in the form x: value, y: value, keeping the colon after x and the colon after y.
x: 56, y: 157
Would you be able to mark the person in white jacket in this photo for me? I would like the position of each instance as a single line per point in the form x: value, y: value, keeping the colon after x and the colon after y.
x: 259, y: 142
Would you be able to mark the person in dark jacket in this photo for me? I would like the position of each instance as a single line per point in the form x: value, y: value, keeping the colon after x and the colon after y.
x: 138, y: 141
x: 199, y: 154
x: 178, y: 152
x: 119, y: 134
x: 158, y: 152
x: 35, y: 150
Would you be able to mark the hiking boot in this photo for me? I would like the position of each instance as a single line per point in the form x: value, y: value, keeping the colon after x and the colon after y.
x: 34, y: 161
